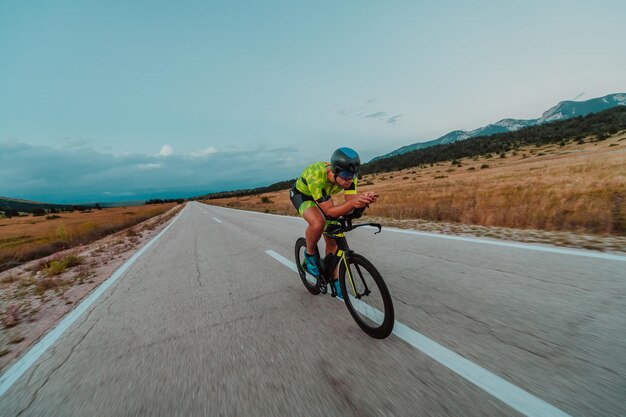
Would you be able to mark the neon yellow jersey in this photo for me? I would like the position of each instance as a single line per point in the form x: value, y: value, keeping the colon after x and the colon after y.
x: 314, y: 182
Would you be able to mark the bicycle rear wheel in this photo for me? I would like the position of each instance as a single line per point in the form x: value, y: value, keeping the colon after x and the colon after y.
x: 309, y: 281
x: 366, y: 296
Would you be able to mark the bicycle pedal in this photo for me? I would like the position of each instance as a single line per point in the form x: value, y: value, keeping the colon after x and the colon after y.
x: 324, y: 288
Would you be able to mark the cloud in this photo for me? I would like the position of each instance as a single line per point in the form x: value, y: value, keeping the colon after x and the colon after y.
x: 74, y: 142
x: 125, y: 194
x: 166, y: 150
x: 365, y: 111
x: 378, y: 115
x: 144, y: 167
x: 394, y: 119
x: 46, y: 173
x: 204, y: 152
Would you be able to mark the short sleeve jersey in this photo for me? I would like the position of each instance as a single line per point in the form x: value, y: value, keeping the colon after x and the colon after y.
x: 314, y: 182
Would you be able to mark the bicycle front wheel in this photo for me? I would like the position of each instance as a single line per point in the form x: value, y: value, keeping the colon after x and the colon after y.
x: 366, y: 296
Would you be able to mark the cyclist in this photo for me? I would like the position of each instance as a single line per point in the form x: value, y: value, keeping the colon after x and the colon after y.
x: 311, y: 196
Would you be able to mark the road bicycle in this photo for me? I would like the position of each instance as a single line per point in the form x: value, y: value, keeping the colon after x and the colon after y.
x: 364, y: 290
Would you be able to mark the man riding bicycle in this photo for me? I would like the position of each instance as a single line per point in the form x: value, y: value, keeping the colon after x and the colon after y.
x: 311, y: 196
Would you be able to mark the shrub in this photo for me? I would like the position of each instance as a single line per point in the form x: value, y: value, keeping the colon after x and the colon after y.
x: 602, y: 136
x: 58, y: 266
x: 483, y: 166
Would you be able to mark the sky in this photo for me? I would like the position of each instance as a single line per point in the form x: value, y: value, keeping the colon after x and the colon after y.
x: 121, y: 100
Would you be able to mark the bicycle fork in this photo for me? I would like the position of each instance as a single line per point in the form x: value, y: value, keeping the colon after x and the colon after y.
x: 366, y: 290
x: 329, y: 269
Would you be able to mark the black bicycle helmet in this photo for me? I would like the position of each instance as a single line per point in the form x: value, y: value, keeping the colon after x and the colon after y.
x: 347, y: 160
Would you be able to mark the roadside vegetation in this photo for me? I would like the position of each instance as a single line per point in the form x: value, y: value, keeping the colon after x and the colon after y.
x: 24, y: 238
x: 575, y: 184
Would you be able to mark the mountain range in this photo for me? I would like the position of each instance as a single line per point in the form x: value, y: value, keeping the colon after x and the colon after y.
x: 563, y: 110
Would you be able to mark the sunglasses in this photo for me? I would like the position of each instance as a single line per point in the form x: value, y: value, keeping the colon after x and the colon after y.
x: 346, y: 175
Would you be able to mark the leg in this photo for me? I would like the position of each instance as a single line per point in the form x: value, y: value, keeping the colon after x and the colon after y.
x: 331, y: 248
x: 316, y: 221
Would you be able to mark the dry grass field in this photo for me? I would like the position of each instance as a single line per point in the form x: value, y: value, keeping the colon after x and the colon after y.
x: 26, y: 238
x: 579, y: 187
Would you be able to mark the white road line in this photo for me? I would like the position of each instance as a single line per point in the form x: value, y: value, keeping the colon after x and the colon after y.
x: 513, y: 396
x: 217, y: 220
x: 282, y: 260
x: 14, y: 372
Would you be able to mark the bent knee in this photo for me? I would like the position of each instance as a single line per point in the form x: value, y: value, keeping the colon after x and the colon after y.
x: 315, y: 219
x: 316, y: 225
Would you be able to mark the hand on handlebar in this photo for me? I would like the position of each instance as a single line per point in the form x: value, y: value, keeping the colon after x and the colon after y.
x: 361, y: 201
x: 372, y: 197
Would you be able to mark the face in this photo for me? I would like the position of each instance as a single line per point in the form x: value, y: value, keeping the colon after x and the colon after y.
x: 343, y: 183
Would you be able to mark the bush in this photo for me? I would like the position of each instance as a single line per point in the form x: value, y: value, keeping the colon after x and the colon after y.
x: 483, y: 166
x: 11, y: 213
x: 58, y: 266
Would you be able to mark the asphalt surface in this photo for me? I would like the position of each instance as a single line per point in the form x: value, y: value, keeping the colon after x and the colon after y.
x: 206, y: 323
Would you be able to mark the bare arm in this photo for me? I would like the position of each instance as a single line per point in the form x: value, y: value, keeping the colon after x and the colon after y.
x: 352, y: 201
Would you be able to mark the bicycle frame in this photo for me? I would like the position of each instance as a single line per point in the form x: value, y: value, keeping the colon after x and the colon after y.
x: 342, y: 252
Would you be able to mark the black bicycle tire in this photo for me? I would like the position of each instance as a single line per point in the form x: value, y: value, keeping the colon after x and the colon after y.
x: 386, y: 327
x: 313, y: 288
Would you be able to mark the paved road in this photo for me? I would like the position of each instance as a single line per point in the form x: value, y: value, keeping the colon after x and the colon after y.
x: 205, y: 322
